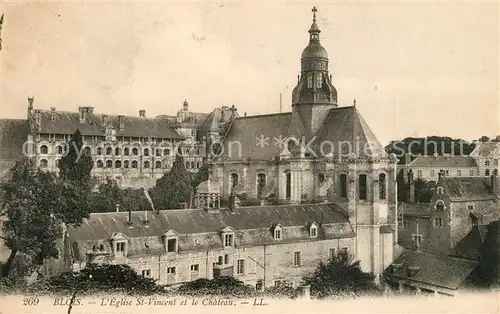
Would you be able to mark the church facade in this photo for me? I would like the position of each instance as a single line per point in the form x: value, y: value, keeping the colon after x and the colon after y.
x: 320, y: 152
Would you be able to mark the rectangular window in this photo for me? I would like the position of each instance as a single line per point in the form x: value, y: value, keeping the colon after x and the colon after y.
x: 296, y: 259
x: 170, y: 270
x: 120, y: 247
x: 195, y: 267
x: 226, y: 259
x: 146, y: 272
x: 331, y: 254
x: 277, y: 234
x: 432, y: 173
x: 438, y: 222
x: 240, y: 267
x: 459, y: 173
x: 314, y: 232
x: 417, y: 238
x: 228, y: 240
x: 220, y: 261
x: 362, y: 187
x: 172, y: 245
x: 470, y: 207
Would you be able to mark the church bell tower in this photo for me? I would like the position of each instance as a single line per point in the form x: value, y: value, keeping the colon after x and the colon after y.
x: 314, y: 94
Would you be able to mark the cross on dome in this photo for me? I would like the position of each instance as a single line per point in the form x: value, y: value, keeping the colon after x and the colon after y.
x: 314, y: 10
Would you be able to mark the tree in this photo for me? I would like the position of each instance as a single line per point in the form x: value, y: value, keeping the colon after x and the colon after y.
x: 484, y: 139
x: 340, y: 277
x: 489, y: 268
x: 423, y: 192
x: 35, y: 209
x: 106, y: 197
x: 174, y: 188
x: 220, y: 286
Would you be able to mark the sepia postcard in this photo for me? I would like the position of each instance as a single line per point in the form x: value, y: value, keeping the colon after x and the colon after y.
x: 257, y: 157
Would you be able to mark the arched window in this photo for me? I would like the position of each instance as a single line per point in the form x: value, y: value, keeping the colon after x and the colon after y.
x: 459, y: 173
x: 198, y: 151
x: 44, y: 149
x: 146, y: 152
x: 495, y: 162
x: 487, y: 163
x: 261, y: 182
x: 117, y: 151
x: 109, y: 163
x: 118, y: 164
x: 187, y: 164
x: 321, y: 178
x: 343, y: 185
x: 109, y: 151
x: 135, y: 151
x: 309, y: 80
x: 319, y: 80
x: 100, y: 164
x: 44, y: 163
x: 362, y: 187
x: 99, y: 151
x: 382, y: 186
x: 198, y: 164
x: 126, y: 164
x: 313, y: 230
x: 234, y: 181
x: 158, y: 152
x: 88, y: 151
x: 58, y: 163
x: 134, y: 164
x: 192, y: 164
x: 487, y: 172
x: 166, y: 152
x: 278, y: 232
x: 288, y: 185
x: 60, y: 150
x: 158, y: 164
x: 126, y: 151
x: 439, y: 206
x: 495, y: 172
x: 146, y: 164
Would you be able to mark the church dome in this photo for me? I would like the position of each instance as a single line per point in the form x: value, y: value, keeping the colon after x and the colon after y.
x: 314, y: 50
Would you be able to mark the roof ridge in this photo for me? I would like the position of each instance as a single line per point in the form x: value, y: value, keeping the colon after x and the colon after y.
x: 263, y: 115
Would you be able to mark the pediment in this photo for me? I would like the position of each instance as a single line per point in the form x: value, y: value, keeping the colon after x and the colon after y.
x: 171, y: 234
x: 227, y: 229
x: 118, y: 236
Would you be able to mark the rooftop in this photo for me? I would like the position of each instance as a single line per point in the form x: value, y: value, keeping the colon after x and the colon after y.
x: 443, y: 161
x: 466, y: 189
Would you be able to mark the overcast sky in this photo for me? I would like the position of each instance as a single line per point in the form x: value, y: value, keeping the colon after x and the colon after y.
x: 414, y: 68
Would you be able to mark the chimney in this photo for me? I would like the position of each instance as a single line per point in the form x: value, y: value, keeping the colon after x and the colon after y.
x: 117, y: 207
x: 53, y: 114
x: 105, y: 120
x: 83, y: 114
x: 129, y: 216
x: 38, y: 118
x: 233, y: 111
x: 411, y: 190
x: 185, y: 105
x: 121, y: 121
x: 142, y: 113
x: 31, y: 99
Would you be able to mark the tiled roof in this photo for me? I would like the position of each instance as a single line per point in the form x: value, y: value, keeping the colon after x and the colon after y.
x: 486, y: 149
x: 341, y: 125
x: 13, y: 134
x: 490, y: 213
x: 67, y: 123
x: 444, y: 161
x: 201, y: 230
x: 417, y: 210
x: 436, y: 270
x: 464, y: 189
x: 469, y: 247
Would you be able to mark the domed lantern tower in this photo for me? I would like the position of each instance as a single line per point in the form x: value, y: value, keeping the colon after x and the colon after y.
x: 314, y: 94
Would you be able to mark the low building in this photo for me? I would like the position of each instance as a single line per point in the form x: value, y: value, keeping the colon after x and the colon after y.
x: 487, y: 155
x: 275, y: 244
x: 428, y: 167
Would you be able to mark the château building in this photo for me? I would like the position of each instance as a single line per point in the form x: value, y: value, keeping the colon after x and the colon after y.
x: 332, y: 199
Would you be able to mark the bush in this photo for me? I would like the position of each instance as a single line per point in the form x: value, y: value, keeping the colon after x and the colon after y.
x: 220, y: 286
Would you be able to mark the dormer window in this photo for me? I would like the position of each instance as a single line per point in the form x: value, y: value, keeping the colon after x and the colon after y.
x: 313, y: 230
x: 119, y: 244
x: 439, y: 206
x: 120, y: 248
x: 278, y: 232
x: 171, y: 241
x: 228, y: 237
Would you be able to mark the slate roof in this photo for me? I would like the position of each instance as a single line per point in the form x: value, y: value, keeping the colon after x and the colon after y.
x: 437, y: 270
x: 13, y: 134
x: 341, y: 125
x: 470, y: 245
x: 423, y: 161
x: 211, y: 122
x: 201, y: 230
x: 486, y: 149
x: 467, y: 189
x: 67, y: 122
x: 417, y: 210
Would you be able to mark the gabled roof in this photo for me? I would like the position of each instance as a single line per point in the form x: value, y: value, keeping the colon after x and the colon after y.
x: 437, y: 270
x: 211, y: 122
x: 470, y: 245
x: 443, y: 161
x: 13, y: 134
x: 465, y: 189
x: 341, y: 125
x: 486, y: 149
x: 67, y: 122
